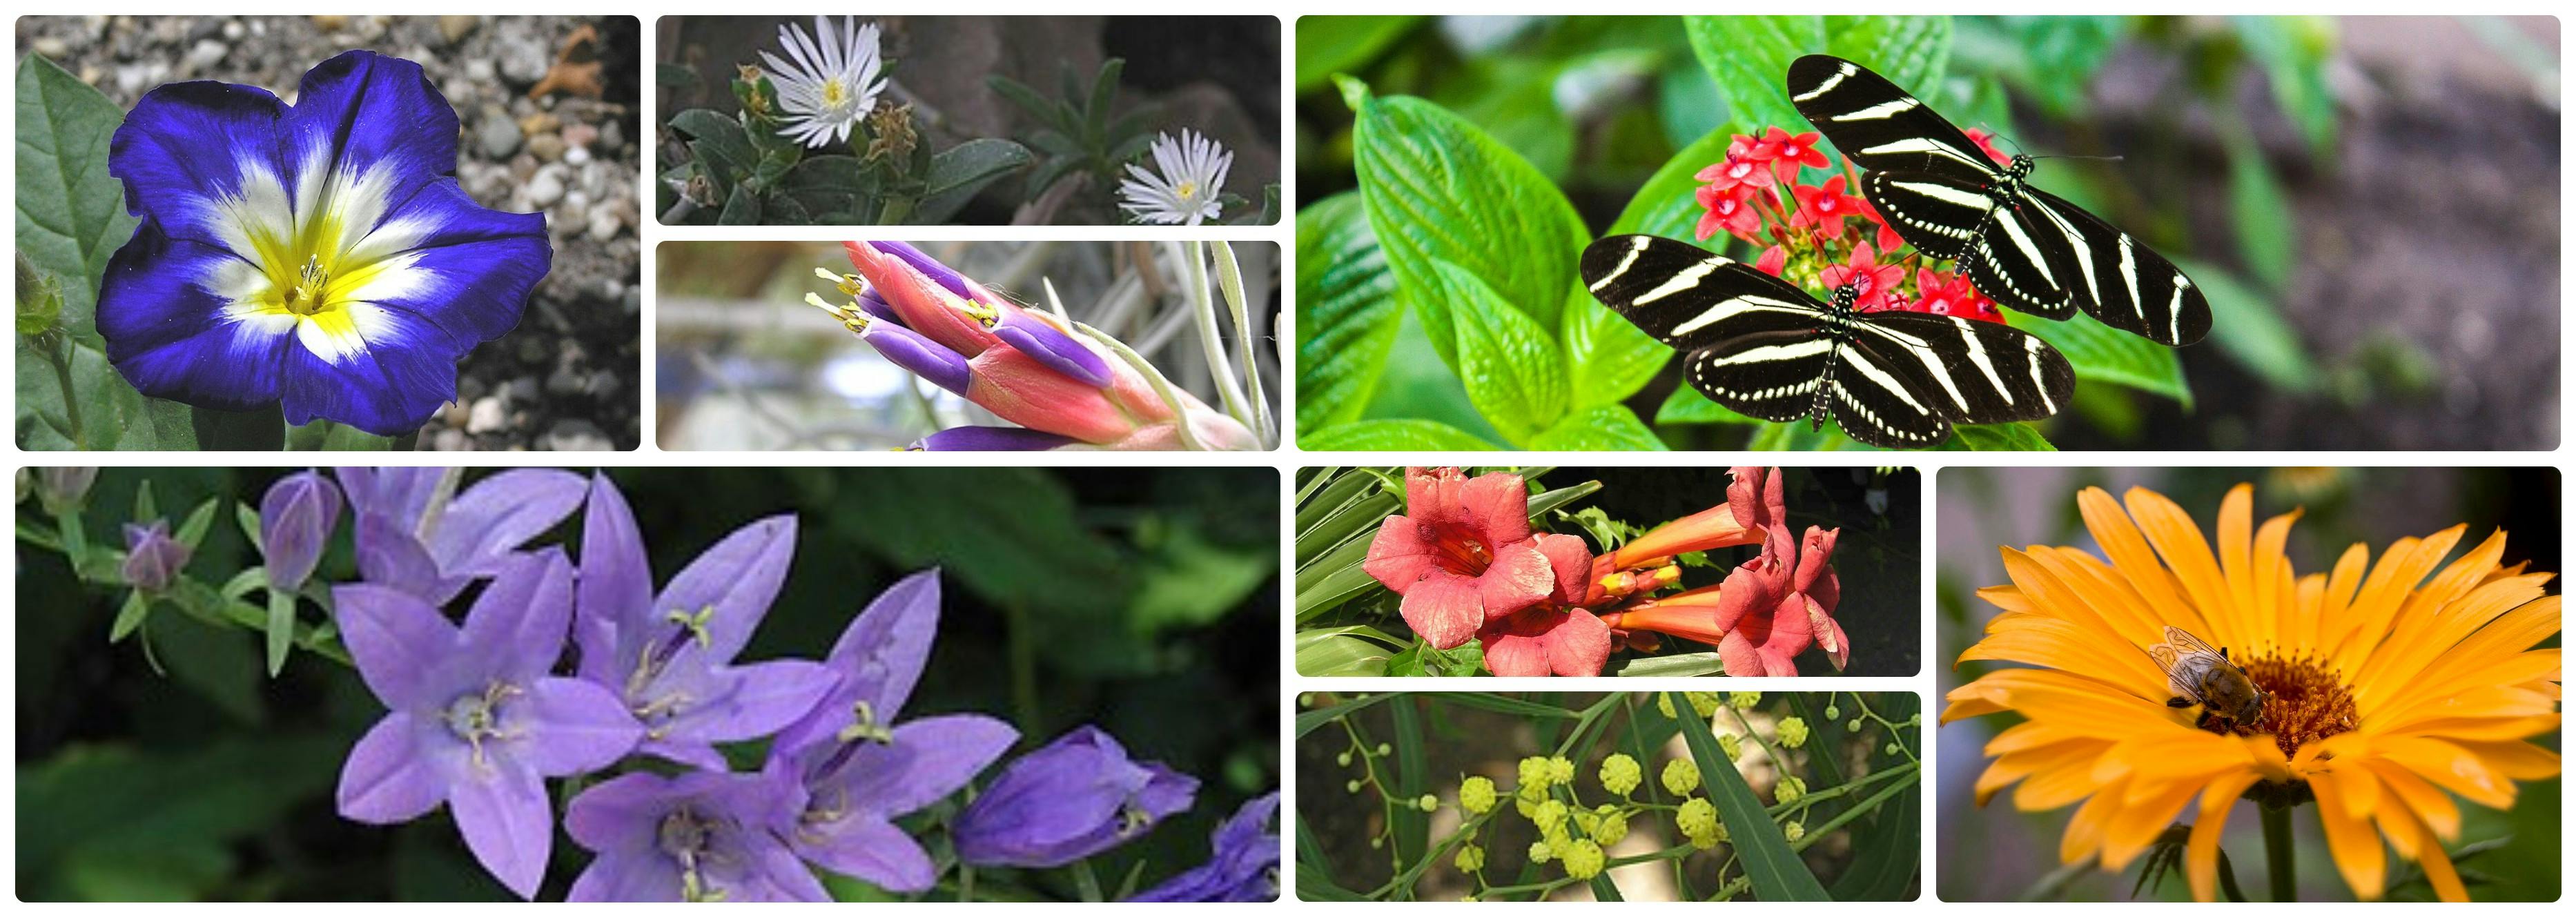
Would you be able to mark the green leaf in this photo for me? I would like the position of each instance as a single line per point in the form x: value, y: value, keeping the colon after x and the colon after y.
x: 129, y: 616
x: 1605, y: 428
x: 1775, y: 870
x: 2104, y: 354
x: 1674, y: 666
x: 2247, y: 327
x: 281, y: 628
x: 1997, y: 437
x: 327, y: 436
x: 1328, y: 45
x: 1687, y: 405
x: 829, y: 184
x: 1392, y: 436
x: 2294, y: 52
x: 1503, y: 704
x: 1607, y: 357
x: 2260, y: 211
x: 719, y: 142
x: 958, y: 172
x: 1509, y: 363
x: 1437, y: 188
x: 1312, y: 720
x: 1910, y: 51
x: 71, y: 213
x: 1344, y: 651
x: 1514, y: 100
x: 1749, y: 57
x: 1412, y: 825
x: 742, y: 208
x: 1347, y: 311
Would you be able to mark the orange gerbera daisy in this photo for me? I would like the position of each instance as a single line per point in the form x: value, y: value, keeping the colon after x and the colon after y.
x: 2383, y: 688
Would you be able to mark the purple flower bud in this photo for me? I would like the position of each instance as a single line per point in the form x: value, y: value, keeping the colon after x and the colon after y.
x: 1056, y: 349
x: 878, y: 309
x: 928, y: 266
x: 152, y: 557
x: 62, y: 489
x: 1078, y: 796
x: 1244, y: 866
x: 296, y: 519
x: 919, y: 355
x: 991, y: 439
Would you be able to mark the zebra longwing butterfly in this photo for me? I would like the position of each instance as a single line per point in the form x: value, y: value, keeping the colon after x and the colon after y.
x: 2025, y: 248
x: 1763, y: 347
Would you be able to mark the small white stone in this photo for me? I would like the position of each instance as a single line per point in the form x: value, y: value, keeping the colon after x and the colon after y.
x: 545, y: 189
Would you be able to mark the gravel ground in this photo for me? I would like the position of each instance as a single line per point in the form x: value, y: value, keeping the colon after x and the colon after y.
x: 568, y: 377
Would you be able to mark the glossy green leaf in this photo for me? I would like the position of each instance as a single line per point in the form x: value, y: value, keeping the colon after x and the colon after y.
x: 1509, y: 363
x: 1687, y: 405
x: 1910, y: 51
x: 1666, y: 205
x: 1997, y: 437
x: 958, y: 172
x: 1775, y: 870
x: 1327, y: 45
x: 1749, y: 57
x: 2102, y: 354
x: 1392, y: 436
x: 2249, y: 328
x: 1343, y: 651
x: 1609, y: 427
x: 2267, y: 229
x: 1347, y: 311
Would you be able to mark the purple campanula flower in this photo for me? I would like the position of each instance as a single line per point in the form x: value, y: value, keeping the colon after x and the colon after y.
x: 318, y: 255
x: 475, y: 721
x: 669, y: 657
x: 991, y: 439
x: 857, y: 768
x: 296, y: 519
x: 152, y: 557
x: 1245, y: 866
x: 1076, y: 797
x: 418, y: 533
x: 700, y: 836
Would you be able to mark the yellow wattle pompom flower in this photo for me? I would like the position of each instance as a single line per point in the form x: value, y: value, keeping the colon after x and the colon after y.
x: 1470, y: 858
x: 1609, y: 824
x: 1793, y: 831
x: 1697, y: 820
x: 1743, y: 700
x: 1793, y: 732
x: 1789, y: 789
x: 1560, y: 771
x: 1549, y: 816
x: 1703, y: 703
x: 1664, y: 705
x: 1681, y: 777
x: 1539, y: 852
x: 1732, y: 745
x: 1476, y: 795
x: 1583, y: 860
x: 1534, y: 775
x: 1620, y: 774
x: 2385, y: 692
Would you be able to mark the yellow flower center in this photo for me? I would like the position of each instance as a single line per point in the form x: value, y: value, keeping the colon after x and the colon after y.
x: 2303, y: 702
x: 1188, y: 190
x: 833, y: 95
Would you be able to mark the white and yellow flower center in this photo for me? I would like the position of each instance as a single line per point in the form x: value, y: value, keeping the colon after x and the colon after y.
x: 315, y: 260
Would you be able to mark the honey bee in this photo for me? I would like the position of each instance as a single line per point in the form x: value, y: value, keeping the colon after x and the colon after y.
x: 2204, y: 676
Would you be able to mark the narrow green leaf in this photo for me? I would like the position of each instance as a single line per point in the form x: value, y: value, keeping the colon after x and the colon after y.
x: 129, y: 616
x: 1503, y: 704
x: 1679, y: 665
x: 2100, y: 353
x: 1334, y: 652
x: 281, y: 628
x: 1392, y: 436
x: 2247, y: 327
x: 1775, y: 870
x: 1312, y: 720
x: 1356, y: 519
x: 1347, y: 311
x: 2267, y: 231
x: 1412, y: 825
x: 192, y: 530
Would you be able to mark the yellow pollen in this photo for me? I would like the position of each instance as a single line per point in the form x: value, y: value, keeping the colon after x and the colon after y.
x: 2303, y: 702
x: 1188, y: 190
x: 833, y: 94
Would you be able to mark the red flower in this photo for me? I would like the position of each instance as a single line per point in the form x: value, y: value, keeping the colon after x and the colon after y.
x: 1756, y: 496
x: 1952, y: 294
x: 1775, y: 606
x: 1985, y: 140
x: 1552, y: 637
x: 1792, y: 150
x: 1743, y: 147
x: 1727, y: 209
x: 1774, y: 260
x: 1825, y: 207
x: 1734, y: 172
x: 1462, y: 554
x: 1876, y: 280
x: 1888, y: 239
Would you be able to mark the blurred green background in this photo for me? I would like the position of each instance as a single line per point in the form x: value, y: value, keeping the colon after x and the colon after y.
x: 2000, y: 854
x: 2370, y: 203
x: 1143, y: 601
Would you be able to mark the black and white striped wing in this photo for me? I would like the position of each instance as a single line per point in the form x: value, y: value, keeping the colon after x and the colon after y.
x: 1879, y: 125
x: 2108, y: 273
x: 1904, y: 377
x: 1750, y: 341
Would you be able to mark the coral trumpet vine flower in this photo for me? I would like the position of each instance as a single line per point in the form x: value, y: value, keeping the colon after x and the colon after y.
x: 1461, y: 555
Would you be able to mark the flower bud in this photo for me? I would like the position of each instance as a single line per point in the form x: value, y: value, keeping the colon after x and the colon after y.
x: 296, y: 519
x: 61, y: 489
x: 152, y: 557
x: 920, y: 356
x: 1427, y: 803
x: 990, y: 439
x: 925, y: 304
x: 1076, y: 797
x: 1032, y: 335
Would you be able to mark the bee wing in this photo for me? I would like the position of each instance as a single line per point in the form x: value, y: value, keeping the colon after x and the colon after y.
x: 2189, y: 645
x: 2180, y: 673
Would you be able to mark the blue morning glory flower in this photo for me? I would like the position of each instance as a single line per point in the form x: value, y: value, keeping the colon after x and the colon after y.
x: 318, y: 255
x: 859, y: 769
x: 670, y: 656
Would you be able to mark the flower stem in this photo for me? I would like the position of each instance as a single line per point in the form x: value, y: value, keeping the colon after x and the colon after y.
x: 2280, y: 849
x: 61, y: 354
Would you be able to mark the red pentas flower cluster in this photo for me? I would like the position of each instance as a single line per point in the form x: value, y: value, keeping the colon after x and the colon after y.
x: 1468, y: 567
x: 1825, y: 235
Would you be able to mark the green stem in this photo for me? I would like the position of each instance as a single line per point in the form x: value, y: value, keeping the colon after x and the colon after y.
x: 965, y: 882
x: 2281, y: 849
x: 61, y: 356
x: 897, y: 209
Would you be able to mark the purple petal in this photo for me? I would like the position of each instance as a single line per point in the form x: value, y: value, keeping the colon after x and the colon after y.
x: 399, y: 642
x: 879, y: 658
x: 929, y: 759
x: 507, y: 823
x: 390, y: 555
x: 991, y: 439
x: 400, y: 492
x: 389, y: 387
x: 616, y: 588
x: 1054, y: 348
x: 617, y: 813
x: 165, y: 330
x: 296, y: 518
x: 627, y: 876
x: 374, y: 114
x: 920, y: 356
x: 877, y: 308
x: 777, y: 875
x: 497, y: 514
x: 928, y: 266
x: 390, y: 776
x: 516, y: 628
x: 738, y: 578
x: 571, y: 727
x: 864, y: 846
x: 1167, y: 792
x: 736, y: 703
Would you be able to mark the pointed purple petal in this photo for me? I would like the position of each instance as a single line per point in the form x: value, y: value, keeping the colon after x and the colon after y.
x: 928, y: 266
x: 400, y: 644
x: 749, y: 701
x: 879, y: 658
x: 571, y: 727
x: 401, y: 492
x: 516, y: 628
x: 991, y: 439
x: 627, y: 877
x: 738, y: 578
x: 779, y: 876
x: 920, y: 356
x: 507, y: 823
x: 1054, y: 348
x: 616, y: 813
x: 389, y: 776
x: 864, y: 846
x: 497, y: 514
x: 615, y: 594
x: 390, y: 555
x: 929, y: 759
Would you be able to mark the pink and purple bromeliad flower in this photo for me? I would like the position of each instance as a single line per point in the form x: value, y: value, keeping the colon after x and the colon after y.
x: 480, y: 714
x: 317, y: 256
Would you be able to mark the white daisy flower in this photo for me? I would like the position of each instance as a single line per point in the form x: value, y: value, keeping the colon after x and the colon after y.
x: 1192, y: 172
x: 831, y: 84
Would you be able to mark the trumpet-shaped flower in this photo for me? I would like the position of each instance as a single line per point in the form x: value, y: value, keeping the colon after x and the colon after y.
x: 476, y: 722
x: 1461, y: 554
x: 668, y: 657
x: 1076, y: 797
x: 700, y: 836
x: 1188, y: 175
x: 319, y: 256
x: 857, y: 769
x: 416, y: 532
x: 830, y: 82
x: 1244, y: 867
x: 1552, y: 637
